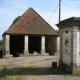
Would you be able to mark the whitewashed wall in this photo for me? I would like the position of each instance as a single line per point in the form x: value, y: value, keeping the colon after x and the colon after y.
x: 79, y: 50
x: 66, y: 47
x: 58, y: 44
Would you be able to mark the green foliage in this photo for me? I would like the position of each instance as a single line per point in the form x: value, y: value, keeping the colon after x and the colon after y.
x: 15, y: 20
x: 0, y: 47
x: 0, y: 42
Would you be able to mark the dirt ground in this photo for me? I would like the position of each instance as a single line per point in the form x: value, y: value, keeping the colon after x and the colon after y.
x: 33, y: 68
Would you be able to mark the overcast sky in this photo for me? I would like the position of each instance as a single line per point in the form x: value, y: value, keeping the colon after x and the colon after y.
x: 9, y: 9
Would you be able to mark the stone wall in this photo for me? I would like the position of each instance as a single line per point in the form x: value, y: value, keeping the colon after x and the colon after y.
x: 58, y: 44
x: 51, y: 44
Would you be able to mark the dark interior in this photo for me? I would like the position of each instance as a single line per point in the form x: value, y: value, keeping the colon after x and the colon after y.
x: 34, y: 44
x: 16, y: 45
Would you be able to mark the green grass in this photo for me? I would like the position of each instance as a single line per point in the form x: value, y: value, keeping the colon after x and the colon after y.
x: 30, y: 70
x: 10, y: 75
x: 0, y: 47
x: 19, y: 78
x: 4, y: 66
x: 7, y: 77
x: 76, y: 74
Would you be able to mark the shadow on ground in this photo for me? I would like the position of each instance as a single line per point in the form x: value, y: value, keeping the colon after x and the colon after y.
x: 31, y: 71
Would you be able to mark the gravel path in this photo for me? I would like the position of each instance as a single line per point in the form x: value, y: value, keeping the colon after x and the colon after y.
x: 41, y: 62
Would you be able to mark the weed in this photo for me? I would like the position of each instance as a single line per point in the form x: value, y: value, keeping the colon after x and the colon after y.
x: 6, y: 78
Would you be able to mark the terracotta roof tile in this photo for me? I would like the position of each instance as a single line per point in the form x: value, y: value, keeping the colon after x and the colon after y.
x: 31, y: 23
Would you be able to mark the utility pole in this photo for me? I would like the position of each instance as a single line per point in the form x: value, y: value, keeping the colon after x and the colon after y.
x: 59, y: 10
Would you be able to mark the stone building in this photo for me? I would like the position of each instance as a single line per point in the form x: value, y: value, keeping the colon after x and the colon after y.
x: 31, y: 33
x: 70, y: 44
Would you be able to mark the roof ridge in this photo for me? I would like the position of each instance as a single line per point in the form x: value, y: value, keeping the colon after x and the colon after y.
x: 44, y: 20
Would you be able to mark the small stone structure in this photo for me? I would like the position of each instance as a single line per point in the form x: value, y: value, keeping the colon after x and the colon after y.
x: 70, y: 44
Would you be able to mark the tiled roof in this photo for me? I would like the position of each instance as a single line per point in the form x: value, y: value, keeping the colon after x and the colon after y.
x: 31, y: 23
x: 57, y: 31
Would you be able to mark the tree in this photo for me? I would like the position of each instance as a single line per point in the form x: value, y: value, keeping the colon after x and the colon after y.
x: 15, y: 20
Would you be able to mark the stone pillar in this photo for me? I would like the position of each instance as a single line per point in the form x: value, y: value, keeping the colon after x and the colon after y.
x: 61, y: 47
x: 42, y: 44
x: 26, y: 44
x: 74, y: 51
x: 3, y: 45
x: 7, y: 45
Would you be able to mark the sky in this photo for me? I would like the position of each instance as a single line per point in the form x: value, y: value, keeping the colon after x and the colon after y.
x: 10, y: 9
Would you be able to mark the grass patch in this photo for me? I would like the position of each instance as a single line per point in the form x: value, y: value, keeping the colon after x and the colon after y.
x: 18, y: 78
x: 10, y: 75
x: 29, y: 70
x: 6, y: 78
x: 0, y: 47
x: 11, y: 78
x: 18, y: 71
x: 4, y: 66
x: 6, y: 73
x: 76, y: 74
